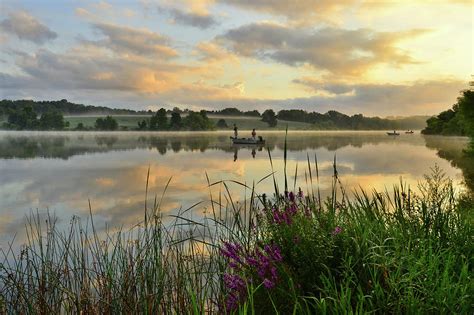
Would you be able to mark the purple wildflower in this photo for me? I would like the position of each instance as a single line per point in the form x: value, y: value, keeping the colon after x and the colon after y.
x: 287, y: 218
x: 291, y: 196
x: 233, y: 265
x: 268, y: 284
x: 337, y: 230
x: 274, y: 273
x: 252, y: 261
x: 232, y: 302
x: 232, y: 251
x: 276, y: 216
x: 234, y: 282
x: 292, y: 209
x: 273, y: 251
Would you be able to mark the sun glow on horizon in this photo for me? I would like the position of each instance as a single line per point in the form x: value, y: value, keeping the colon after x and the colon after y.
x: 356, y: 56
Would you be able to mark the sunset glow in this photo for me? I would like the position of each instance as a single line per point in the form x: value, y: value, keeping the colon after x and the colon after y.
x: 371, y: 57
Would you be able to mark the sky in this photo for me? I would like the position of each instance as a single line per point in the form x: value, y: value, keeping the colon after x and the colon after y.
x: 375, y: 57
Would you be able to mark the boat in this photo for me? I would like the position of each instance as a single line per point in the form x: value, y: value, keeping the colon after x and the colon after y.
x: 393, y: 133
x: 409, y: 132
x: 251, y: 141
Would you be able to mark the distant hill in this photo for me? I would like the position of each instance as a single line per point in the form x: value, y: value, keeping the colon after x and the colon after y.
x: 63, y: 106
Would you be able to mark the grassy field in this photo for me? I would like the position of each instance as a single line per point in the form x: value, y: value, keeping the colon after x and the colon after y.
x: 293, y: 253
x: 243, y: 123
x: 129, y: 122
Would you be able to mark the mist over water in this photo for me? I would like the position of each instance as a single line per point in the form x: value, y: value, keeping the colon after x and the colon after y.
x: 60, y: 172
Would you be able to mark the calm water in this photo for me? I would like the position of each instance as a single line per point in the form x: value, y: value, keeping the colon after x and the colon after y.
x: 60, y: 172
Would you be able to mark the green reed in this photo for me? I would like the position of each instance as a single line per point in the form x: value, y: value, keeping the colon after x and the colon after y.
x: 378, y: 252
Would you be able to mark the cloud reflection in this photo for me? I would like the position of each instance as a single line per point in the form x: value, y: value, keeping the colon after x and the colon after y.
x: 62, y: 172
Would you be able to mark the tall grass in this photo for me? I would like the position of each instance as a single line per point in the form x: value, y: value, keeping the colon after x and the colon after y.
x: 287, y: 252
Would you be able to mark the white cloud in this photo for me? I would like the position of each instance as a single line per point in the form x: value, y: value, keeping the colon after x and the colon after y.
x: 26, y: 27
x: 335, y: 50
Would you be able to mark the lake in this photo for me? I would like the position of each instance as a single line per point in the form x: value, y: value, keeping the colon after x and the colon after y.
x: 61, y: 172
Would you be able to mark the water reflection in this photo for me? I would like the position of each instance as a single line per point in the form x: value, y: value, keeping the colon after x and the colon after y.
x: 252, y: 148
x: 62, y: 171
x: 66, y: 145
x: 448, y: 149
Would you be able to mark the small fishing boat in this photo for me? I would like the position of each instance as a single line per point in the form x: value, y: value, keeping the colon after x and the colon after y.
x: 251, y: 141
x: 393, y: 133
x: 409, y: 132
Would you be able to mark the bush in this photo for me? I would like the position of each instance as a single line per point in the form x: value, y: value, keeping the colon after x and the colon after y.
x: 403, y: 253
x: 107, y: 123
x: 221, y: 123
x: 269, y: 117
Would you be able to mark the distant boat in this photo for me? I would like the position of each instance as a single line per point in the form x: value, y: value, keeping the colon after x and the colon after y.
x: 409, y: 132
x: 254, y: 141
x: 393, y: 133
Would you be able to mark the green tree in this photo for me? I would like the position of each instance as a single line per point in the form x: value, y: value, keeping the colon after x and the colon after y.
x: 142, y: 125
x: 24, y: 118
x: 230, y: 111
x: 448, y: 122
x: 466, y: 110
x: 107, y: 123
x: 52, y: 120
x: 198, y: 121
x: 176, y: 121
x: 177, y: 110
x: 269, y: 117
x: 252, y: 113
x: 159, y: 121
x: 221, y: 123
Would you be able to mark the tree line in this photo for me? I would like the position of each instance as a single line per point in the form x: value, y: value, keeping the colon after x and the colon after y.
x: 26, y: 118
x: 192, y: 121
x: 458, y: 120
x: 63, y: 106
x: 177, y: 119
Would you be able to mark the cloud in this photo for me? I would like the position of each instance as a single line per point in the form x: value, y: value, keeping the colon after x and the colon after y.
x: 92, y: 69
x: 103, y: 10
x: 136, y: 41
x: 337, y: 51
x: 305, y: 11
x: 26, y: 27
x: 420, y: 97
x: 202, y: 21
x: 213, y: 52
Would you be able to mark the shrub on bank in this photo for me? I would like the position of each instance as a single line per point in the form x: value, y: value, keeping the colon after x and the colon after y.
x: 403, y: 253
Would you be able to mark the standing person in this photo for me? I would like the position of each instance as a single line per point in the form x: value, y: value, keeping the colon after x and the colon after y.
x: 254, y: 134
x: 235, y: 131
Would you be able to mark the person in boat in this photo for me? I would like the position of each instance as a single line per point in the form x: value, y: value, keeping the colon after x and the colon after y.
x: 235, y: 131
x: 254, y: 134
